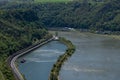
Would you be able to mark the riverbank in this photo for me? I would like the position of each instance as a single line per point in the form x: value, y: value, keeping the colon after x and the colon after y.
x: 12, y: 59
x: 57, y: 66
x: 79, y: 32
x: 114, y: 36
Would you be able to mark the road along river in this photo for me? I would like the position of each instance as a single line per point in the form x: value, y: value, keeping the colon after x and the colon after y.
x: 97, y: 57
x: 12, y: 59
x: 40, y: 61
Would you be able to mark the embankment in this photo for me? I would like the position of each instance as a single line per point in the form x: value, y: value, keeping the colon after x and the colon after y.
x: 57, y: 66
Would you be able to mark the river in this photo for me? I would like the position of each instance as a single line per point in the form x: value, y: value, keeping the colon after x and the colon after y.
x: 97, y: 57
x: 40, y: 61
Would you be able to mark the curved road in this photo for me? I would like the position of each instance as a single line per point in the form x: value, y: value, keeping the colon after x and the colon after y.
x: 17, y: 74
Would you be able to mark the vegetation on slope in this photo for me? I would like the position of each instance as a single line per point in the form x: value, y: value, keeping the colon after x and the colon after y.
x: 89, y: 14
x: 22, y: 24
x: 18, y: 30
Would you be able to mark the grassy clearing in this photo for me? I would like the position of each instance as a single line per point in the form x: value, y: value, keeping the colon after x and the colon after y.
x: 90, y: 1
x: 57, y: 1
x: 53, y: 0
x: 114, y: 36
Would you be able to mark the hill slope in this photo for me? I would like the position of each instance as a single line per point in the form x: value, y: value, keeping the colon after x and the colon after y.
x: 22, y: 24
x: 95, y: 16
x: 18, y: 30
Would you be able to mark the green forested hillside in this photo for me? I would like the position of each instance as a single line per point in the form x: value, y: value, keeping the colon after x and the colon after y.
x: 18, y: 30
x: 88, y: 15
x: 22, y: 24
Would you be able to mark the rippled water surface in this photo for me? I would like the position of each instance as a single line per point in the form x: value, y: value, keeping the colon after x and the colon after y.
x: 39, y: 62
x: 97, y: 57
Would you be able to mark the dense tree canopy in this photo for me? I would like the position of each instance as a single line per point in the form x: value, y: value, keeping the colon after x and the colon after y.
x: 97, y: 15
x: 18, y: 30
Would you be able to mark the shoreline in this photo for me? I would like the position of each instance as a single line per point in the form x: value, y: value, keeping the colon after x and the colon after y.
x: 115, y: 36
x: 33, y: 47
x: 54, y: 74
x: 12, y: 59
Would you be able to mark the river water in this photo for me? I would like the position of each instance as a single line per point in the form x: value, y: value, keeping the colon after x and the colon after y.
x: 39, y: 62
x: 97, y: 57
